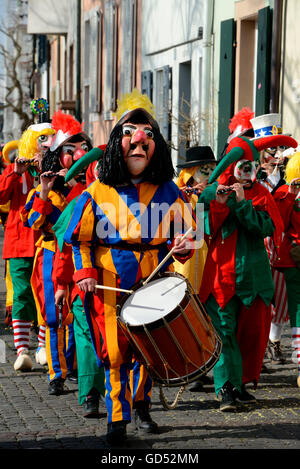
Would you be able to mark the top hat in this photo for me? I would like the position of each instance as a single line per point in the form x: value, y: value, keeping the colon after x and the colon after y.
x: 267, y: 125
x: 195, y: 156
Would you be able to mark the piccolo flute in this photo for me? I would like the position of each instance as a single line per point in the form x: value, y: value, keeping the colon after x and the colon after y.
x: 28, y: 161
x: 225, y: 191
x: 191, y: 191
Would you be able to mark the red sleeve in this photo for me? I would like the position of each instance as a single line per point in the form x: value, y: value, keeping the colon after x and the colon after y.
x: 64, y: 267
x: 44, y: 207
x: 217, y: 215
x: 285, y: 201
x: 8, y: 180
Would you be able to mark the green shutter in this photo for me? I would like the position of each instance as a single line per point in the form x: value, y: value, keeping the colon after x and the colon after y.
x: 226, y: 81
x: 264, y: 51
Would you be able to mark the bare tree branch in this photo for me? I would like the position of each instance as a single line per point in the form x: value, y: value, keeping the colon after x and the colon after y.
x: 14, y: 95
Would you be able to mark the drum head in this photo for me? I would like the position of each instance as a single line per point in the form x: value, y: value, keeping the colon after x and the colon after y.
x: 153, y: 301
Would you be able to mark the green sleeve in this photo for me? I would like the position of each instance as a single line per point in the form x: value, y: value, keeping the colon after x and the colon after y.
x: 257, y: 222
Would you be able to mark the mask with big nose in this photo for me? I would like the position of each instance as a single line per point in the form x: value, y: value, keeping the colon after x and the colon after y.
x: 138, y: 147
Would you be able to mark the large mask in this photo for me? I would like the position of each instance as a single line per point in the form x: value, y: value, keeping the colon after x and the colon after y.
x: 137, y: 146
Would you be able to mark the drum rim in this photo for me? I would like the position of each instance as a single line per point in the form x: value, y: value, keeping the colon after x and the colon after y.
x: 171, y: 316
x: 188, y: 379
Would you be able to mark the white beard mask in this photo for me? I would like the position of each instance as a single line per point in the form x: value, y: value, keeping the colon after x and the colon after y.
x: 203, y: 172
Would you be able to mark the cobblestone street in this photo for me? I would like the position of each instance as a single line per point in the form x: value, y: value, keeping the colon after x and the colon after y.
x: 31, y: 419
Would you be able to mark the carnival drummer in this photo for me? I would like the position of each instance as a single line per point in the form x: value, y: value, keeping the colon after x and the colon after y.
x: 136, y: 173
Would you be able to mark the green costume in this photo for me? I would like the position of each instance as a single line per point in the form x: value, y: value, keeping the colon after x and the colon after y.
x: 89, y: 374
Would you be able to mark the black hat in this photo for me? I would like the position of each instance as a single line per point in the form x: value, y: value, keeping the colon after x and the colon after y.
x: 195, y: 156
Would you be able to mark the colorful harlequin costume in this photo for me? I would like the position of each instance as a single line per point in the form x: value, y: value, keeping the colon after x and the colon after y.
x: 288, y: 203
x: 112, y: 247
x: 41, y: 215
x: 90, y: 376
x: 19, y: 241
x: 238, y: 287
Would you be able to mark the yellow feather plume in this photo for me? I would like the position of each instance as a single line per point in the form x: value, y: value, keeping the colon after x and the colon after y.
x: 292, y: 170
x: 134, y: 100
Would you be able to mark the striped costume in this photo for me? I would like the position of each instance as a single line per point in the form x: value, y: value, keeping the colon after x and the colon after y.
x: 60, y: 344
x: 105, y: 217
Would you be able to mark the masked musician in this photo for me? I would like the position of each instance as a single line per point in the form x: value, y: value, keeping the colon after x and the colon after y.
x: 43, y: 207
x: 271, y: 174
x: 117, y: 241
x: 16, y: 182
x: 238, y: 287
x: 288, y: 262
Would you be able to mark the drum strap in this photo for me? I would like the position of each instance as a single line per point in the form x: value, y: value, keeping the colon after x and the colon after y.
x: 137, y: 247
x: 163, y: 399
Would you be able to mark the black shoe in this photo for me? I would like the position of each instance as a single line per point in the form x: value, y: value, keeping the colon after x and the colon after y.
x: 72, y: 376
x: 91, y: 405
x: 142, y: 418
x: 56, y: 387
x: 116, y: 432
x: 226, y: 395
x: 197, y: 386
x: 244, y: 397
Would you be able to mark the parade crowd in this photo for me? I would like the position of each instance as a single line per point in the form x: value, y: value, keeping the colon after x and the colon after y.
x: 80, y: 232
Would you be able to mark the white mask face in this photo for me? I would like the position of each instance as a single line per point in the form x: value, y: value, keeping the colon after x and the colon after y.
x: 245, y: 171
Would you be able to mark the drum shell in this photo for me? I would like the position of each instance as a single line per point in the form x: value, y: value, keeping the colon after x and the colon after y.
x: 178, y: 348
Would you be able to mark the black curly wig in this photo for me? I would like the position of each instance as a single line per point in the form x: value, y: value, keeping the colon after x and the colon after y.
x: 114, y: 172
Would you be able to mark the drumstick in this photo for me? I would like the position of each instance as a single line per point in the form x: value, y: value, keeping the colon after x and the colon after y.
x: 103, y: 287
x: 167, y: 257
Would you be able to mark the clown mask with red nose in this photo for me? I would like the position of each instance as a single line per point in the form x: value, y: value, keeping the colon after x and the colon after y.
x: 72, y: 151
x: 137, y: 146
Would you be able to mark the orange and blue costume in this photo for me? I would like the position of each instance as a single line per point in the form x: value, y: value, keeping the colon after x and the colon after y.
x: 42, y: 215
x: 117, y: 241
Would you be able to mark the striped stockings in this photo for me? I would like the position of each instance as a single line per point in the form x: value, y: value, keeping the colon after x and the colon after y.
x: 296, y: 346
x: 42, y: 336
x: 21, y: 334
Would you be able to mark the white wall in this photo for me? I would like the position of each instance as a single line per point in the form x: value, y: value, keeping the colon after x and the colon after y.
x: 174, y: 43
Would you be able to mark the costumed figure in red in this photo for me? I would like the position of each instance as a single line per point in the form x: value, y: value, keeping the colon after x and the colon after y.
x: 287, y: 198
x: 238, y: 287
x: 271, y: 173
x: 16, y: 181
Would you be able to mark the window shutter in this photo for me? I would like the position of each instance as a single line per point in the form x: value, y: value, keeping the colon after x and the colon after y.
x: 147, y: 83
x: 264, y: 51
x: 165, y: 121
x: 109, y: 43
x: 226, y: 80
x: 95, y: 55
x: 126, y: 47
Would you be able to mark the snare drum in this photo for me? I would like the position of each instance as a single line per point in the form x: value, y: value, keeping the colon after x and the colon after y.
x: 169, y: 330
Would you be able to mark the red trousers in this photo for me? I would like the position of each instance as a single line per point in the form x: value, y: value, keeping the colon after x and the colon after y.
x: 253, y: 328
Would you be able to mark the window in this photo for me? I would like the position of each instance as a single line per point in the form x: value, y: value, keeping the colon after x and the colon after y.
x: 163, y: 100
x: 111, y: 49
x: 129, y: 33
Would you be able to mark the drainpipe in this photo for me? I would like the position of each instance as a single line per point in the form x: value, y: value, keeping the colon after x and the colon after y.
x: 276, y: 56
x: 206, y: 72
x: 78, y: 63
